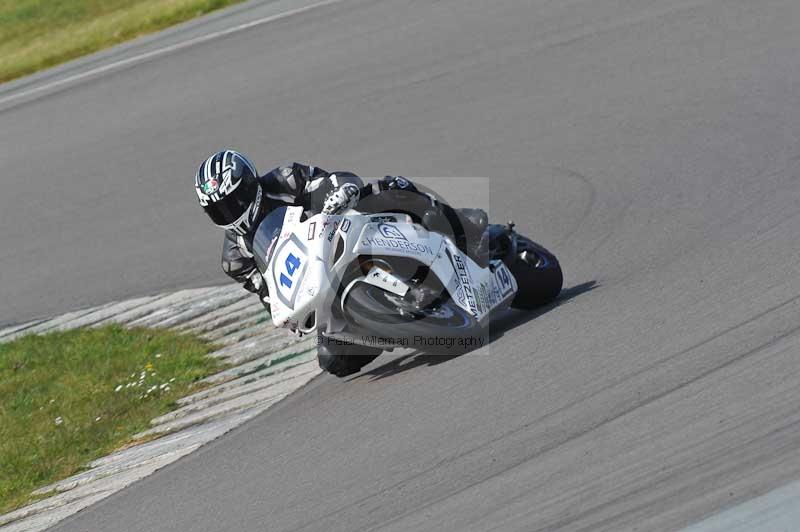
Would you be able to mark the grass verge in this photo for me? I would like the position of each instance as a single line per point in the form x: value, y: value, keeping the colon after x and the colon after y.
x: 37, y: 34
x: 68, y: 398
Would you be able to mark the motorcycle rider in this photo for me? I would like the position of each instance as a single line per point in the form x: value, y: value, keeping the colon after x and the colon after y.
x: 236, y: 199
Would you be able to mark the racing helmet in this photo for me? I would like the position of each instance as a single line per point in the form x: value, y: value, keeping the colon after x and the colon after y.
x: 228, y: 189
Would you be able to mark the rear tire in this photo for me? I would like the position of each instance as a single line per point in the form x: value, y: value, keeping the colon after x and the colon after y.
x: 341, y: 359
x: 538, y: 274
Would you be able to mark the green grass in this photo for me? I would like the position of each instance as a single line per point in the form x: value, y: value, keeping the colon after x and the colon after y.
x: 36, y: 34
x: 67, y: 398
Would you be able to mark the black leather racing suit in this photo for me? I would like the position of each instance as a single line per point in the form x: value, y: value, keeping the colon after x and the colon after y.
x: 296, y: 185
x: 308, y: 186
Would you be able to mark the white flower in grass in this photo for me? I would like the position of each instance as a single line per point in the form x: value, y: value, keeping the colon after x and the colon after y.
x: 52, y: 401
x: 58, y: 420
x: 118, y: 388
x: 98, y: 418
x: 158, y: 355
x: 172, y: 379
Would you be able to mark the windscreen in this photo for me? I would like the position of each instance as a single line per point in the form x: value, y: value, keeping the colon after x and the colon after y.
x: 266, y: 235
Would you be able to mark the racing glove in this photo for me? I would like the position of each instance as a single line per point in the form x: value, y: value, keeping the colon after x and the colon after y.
x: 255, y: 283
x: 343, y: 198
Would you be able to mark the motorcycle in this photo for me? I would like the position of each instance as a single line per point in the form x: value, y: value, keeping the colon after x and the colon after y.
x: 366, y: 283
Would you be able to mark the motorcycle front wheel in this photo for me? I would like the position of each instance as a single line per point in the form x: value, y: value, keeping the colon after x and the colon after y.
x: 341, y: 359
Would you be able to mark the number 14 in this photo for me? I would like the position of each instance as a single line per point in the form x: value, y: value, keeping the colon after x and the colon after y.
x: 292, y: 263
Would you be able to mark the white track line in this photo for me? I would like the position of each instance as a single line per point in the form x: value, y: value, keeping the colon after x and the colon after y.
x: 163, y: 51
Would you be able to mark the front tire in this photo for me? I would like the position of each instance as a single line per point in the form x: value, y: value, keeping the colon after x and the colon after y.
x: 434, y: 326
x: 341, y: 359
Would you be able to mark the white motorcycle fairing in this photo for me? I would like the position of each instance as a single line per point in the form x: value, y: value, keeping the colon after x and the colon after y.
x: 304, y: 265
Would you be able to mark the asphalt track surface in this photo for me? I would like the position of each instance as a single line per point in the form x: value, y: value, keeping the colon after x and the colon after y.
x: 652, y: 144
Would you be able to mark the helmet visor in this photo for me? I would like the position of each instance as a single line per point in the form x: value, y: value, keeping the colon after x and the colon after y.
x: 230, y: 208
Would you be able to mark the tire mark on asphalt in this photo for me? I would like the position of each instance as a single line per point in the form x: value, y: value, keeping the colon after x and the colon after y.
x: 624, y: 407
x: 765, y: 452
x: 587, y: 210
x: 580, y: 433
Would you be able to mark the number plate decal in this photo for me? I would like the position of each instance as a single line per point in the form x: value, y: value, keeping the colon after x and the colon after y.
x: 288, y: 267
x: 502, y: 278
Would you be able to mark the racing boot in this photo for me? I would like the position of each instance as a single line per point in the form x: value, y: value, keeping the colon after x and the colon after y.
x: 476, y: 245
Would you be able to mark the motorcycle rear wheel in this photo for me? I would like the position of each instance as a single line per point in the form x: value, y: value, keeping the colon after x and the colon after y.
x: 538, y: 274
